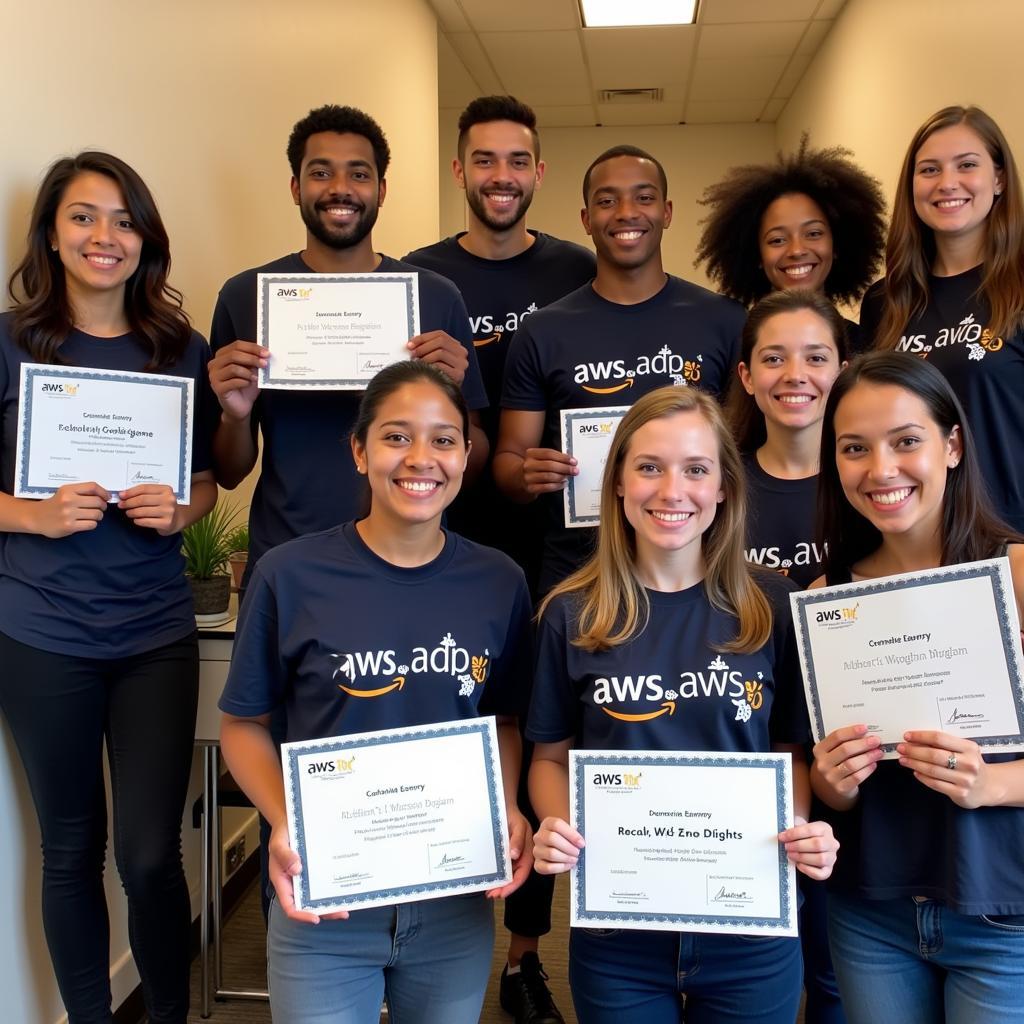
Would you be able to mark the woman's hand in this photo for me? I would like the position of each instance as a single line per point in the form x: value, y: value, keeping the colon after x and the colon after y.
x: 283, y: 864
x: 811, y: 847
x: 556, y: 847
x: 153, y: 506
x: 950, y: 765
x: 74, y: 508
x: 520, y: 850
x: 845, y: 758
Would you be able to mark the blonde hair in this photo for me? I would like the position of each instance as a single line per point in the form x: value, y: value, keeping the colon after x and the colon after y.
x: 613, y: 604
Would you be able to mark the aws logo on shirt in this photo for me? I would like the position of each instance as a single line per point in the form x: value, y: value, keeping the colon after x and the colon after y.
x: 717, y: 681
x: 391, y: 672
x: 493, y: 328
x: 612, y: 375
x: 806, y: 553
x: 979, y: 340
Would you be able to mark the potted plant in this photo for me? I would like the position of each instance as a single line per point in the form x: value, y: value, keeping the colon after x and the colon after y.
x: 206, y: 547
x: 239, y: 557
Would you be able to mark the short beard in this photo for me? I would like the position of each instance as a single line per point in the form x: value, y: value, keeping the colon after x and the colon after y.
x: 478, y: 205
x: 334, y: 239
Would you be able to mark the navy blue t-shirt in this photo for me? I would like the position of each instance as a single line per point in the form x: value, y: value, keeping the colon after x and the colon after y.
x: 669, y: 688
x: 586, y: 352
x: 499, y: 295
x: 781, y: 523
x: 987, y: 374
x: 347, y: 642
x: 308, y: 480
x: 117, y: 590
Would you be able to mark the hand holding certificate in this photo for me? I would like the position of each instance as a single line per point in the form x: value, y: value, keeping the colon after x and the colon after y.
x: 334, y: 331
x: 683, y: 842
x: 396, y: 816
x: 937, y: 650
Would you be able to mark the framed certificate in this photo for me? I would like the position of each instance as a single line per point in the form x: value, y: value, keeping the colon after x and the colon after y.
x: 683, y: 842
x: 117, y: 428
x: 587, y: 436
x: 334, y: 332
x: 926, y: 650
x: 396, y: 816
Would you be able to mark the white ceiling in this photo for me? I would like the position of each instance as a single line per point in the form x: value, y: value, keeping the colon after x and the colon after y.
x: 739, y: 63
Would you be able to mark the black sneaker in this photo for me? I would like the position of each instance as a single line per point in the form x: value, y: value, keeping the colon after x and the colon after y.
x: 526, y: 996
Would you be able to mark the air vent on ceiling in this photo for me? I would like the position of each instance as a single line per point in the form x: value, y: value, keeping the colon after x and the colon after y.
x: 630, y: 96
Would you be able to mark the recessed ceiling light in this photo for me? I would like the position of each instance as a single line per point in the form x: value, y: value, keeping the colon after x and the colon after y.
x: 620, y: 13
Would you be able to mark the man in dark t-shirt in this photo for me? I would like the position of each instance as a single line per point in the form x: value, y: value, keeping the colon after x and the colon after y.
x: 338, y: 157
x: 506, y: 273
x: 630, y: 331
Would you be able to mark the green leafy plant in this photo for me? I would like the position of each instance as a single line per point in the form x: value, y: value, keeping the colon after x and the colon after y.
x: 207, y: 543
x: 238, y: 540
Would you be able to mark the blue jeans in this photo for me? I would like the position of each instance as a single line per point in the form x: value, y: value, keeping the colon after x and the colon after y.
x: 429, y: 960
x: 916, y: 961
x: 634, y: 977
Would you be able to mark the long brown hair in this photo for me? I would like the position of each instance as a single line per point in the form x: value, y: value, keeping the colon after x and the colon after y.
x: 910, y: 249
x: 613, y: 604
x: 42, y: 316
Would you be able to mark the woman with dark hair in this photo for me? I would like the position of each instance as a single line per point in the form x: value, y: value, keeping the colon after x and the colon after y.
x: 954, y: 287
x: 97, y: 634
x: 667, y: 592
x: 812, y: 219
x: 926, y: 907
x: 388, y: 585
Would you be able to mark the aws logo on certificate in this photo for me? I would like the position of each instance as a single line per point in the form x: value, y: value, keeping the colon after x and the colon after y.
x: 837, y: 617
x: 374, y: 673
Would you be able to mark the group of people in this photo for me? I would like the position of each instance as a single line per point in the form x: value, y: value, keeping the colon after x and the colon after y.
x: 769, y: 445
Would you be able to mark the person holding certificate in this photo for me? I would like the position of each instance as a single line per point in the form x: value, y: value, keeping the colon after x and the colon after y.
x: 384, y: 622
x: 97, y: 632
x: 665, y: 641
x: 926, y: 908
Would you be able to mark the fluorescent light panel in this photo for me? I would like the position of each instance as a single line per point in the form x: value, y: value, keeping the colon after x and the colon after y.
x: 621, y: 13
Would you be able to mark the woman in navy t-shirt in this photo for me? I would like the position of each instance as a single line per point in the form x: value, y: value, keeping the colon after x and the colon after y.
x: 384, y: 622
x: 668, y: 599
x: 926, y: 907
x: 97, y: 633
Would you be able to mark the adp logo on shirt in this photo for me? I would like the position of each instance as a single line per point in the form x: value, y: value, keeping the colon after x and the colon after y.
x: 611, y: 375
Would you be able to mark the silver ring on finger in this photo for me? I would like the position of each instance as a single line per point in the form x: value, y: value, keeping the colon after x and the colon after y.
x: 951, y: 762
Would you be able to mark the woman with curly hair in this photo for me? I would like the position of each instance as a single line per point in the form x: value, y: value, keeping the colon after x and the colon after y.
x: 812, y: 219
x: 954, y: 290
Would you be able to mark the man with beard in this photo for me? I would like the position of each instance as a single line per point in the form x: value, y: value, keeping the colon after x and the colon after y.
x: 308, y: 481
x: 632, y: 330
x: 505, y: 273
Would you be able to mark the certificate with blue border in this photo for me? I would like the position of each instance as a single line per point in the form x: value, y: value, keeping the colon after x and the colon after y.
x: 397, y: 816
x: 683, y: 841
x: 111, y: 427
x: 939, y: 649
x: 334, y: 332
x: 586, y: 436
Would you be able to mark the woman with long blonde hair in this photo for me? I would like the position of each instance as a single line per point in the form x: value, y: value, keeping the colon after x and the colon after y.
x: 667, y: 592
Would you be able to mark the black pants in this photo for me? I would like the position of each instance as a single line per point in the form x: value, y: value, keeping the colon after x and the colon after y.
x: 60, y: 709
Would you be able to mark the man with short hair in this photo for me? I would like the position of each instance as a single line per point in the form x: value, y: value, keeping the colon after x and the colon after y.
x: 308, y: 482
x: 505, y: 273
x: 632, y: 330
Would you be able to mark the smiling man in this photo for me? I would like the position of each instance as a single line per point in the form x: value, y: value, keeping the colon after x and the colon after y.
x: 308, y: 482
x: 633, y: 329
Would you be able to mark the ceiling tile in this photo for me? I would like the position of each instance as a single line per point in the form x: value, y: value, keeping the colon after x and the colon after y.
x: 455, y: 85
x: 668, y: 111
x: 546, y: 67
x: 829, y: 8
x: 472, y: 54
x: 561, y: 117
x: 791, y: 77
x: 767, y: 39
x: 749, y: 79
x: 488, y: 16
x: 772, y: 109
x: 816, y: 32
x: 723, y: 111
x: 717, y: 12
x: 450, y: 16
x: 639, y: 58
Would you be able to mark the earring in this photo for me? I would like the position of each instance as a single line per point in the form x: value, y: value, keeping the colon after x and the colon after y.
x: 53, y: 248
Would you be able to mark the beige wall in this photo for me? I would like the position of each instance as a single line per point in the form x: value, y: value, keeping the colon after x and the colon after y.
x: 693, y: 156
x: 886, y: 66
x: 200, y: 98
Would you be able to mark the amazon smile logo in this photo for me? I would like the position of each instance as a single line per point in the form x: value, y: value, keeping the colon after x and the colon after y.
x: 610, y: 376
